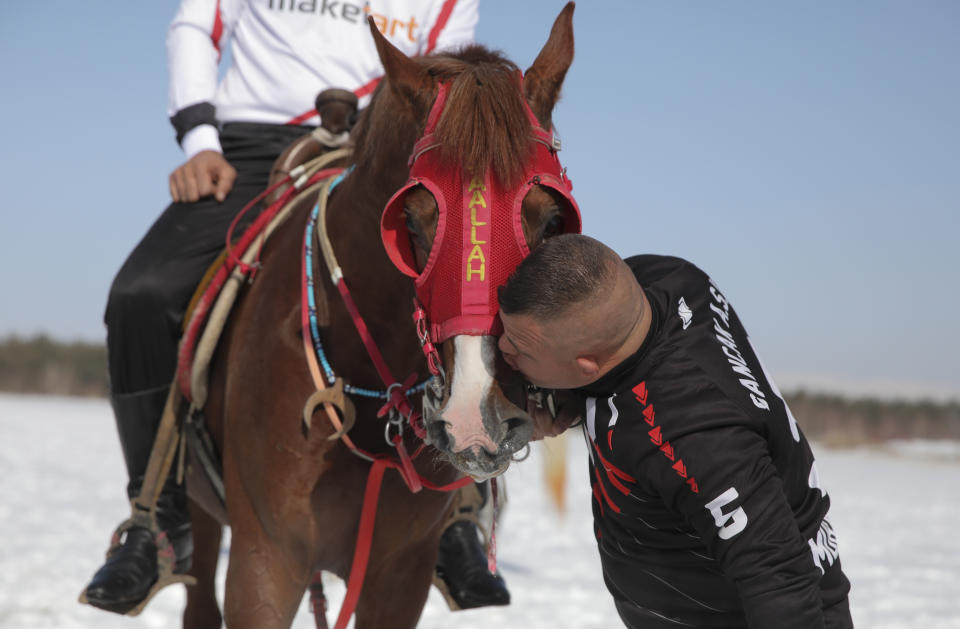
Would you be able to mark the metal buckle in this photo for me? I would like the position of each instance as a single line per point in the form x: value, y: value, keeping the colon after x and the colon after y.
x: 543, y: 397
x: 394, y: 418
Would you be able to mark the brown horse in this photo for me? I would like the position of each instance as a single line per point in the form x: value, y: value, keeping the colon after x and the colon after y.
x: 293, y: 497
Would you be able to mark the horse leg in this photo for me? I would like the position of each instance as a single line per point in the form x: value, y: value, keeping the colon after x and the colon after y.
x: 266, y: 579
x: 264, y: 584
x: 202, y: 611
x: 395, y: 590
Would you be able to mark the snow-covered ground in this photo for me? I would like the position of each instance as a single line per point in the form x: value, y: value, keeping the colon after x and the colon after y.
x: 61, y: 493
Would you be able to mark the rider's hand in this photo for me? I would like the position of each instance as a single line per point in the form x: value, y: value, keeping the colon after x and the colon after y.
x: 204, y: 174
x: 569, y: 407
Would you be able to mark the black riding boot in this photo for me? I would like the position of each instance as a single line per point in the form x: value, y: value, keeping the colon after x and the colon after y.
x: 131, y: 567
x: 462, y: 564
x: 462, y: 559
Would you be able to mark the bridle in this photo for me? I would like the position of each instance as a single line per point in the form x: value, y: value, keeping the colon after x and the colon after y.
x: 474, y: 313
x: 479, y: 238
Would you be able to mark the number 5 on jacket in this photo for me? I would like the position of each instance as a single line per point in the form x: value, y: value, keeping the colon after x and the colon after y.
x: 729, y: 523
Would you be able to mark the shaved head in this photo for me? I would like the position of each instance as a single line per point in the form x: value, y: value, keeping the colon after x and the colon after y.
x: 572, y: 301
x: 562, y: 272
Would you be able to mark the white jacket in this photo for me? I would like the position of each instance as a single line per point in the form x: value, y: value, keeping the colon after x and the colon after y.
x: 285, y: 52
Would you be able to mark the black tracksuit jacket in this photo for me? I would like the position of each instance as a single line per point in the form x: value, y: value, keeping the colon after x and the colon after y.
x: 707, y: 506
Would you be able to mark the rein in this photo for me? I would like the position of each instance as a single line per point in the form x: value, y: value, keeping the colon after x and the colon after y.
x: 397, y: 407
x: 233, y: 271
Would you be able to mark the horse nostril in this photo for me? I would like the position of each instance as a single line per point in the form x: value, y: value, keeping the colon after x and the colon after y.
x: 519, y: 431
x: 515, y: 422
x: 437, y: 435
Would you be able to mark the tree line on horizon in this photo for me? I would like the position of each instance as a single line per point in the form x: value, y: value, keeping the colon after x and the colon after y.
x: 45, y: 366
x: 41, y: 365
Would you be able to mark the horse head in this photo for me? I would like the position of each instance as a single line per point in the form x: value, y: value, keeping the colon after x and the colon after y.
x: 485, y: 187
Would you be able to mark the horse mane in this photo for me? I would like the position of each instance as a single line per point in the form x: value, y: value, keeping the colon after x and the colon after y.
x: 484, y: 123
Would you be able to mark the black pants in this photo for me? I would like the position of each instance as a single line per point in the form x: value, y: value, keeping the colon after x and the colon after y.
x: 153, y: 287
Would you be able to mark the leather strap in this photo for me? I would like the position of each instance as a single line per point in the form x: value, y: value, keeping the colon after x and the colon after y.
x: 361, y: 552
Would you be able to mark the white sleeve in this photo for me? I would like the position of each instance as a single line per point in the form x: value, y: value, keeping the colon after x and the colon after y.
x: 453, y: 26
x: 194, y: 41
x: 203, y: 137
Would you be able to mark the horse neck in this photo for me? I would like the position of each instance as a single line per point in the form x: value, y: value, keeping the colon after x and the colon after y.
x: 382, y: 294
x: 380, y: 170
x: 353, y: 222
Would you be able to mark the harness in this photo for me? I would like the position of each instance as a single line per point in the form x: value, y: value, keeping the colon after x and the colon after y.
x: 479, y: 239
x: 331, y: 391
x: 208, y: 315
x: 397, y: 408
x: 207, y: 312
x: 474, y: 312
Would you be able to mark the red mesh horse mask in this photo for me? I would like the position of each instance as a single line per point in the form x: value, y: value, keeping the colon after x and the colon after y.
x: 479, y: 239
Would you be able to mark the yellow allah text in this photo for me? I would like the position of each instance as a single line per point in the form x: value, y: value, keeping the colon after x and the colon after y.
x: 476, y: 261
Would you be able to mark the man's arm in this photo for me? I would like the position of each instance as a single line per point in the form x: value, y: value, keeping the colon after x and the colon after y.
x: 194, y: 41
x: 741, y: 512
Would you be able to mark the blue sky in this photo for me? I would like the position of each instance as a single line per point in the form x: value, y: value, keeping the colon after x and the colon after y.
x: 806, y: 155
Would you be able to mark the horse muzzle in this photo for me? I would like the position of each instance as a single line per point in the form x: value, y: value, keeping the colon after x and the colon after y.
x: 470, y: 420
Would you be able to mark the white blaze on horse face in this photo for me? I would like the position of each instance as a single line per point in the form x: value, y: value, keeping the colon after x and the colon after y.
x: 472, y: 378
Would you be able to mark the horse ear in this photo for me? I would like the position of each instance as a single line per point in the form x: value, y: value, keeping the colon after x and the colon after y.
x: 408, y: 80
x: 542, y: 81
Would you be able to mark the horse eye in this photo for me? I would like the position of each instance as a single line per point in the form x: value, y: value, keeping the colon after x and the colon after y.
x: 414, y: 231
x: 553, y: 227
x: 411, y: 224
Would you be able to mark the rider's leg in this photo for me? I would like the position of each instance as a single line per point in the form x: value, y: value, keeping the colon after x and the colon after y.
x: 138, y: 417
x: 462, y: 561
x: 131, y: 568
x: 144, y: 316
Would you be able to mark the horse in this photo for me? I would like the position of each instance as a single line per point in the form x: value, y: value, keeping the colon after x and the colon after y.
x: 293, y: 496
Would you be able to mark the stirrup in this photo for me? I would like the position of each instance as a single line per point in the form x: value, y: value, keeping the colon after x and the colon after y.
x: 166, y: 558
x: 441, y: 585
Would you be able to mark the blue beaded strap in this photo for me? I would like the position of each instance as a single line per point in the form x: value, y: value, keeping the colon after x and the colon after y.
x: 312, y: 308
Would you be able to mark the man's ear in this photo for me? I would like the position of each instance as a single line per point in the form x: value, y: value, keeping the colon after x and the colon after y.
x: 588, y: 366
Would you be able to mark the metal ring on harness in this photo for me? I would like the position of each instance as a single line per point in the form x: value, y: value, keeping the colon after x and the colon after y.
x: 438, y: 381
x: 525, y: 456
x: 394, y: 416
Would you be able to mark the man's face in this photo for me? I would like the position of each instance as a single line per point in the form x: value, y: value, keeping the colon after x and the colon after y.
x: 537, y: 351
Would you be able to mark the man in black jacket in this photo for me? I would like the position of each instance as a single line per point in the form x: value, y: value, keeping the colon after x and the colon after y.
x: 708, y: 510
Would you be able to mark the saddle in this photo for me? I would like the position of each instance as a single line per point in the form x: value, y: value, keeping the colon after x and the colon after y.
x: 212, y: 301
x: 206, y: 315
x: 214, y: 298
x: 216, y: 294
